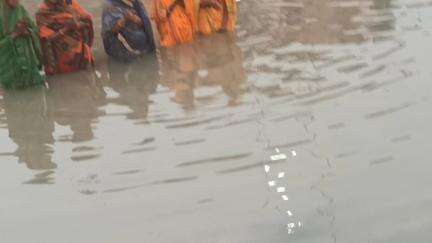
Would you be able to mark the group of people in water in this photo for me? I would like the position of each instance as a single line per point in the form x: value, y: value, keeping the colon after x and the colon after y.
x: 204, y: 75
x: 61, y: 40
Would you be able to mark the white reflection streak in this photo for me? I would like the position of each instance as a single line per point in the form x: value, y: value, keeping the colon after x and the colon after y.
x: 281, y: 189
x: 278, y: 156
x: 271, y: 183
x: 273, y: 158
x: 267, y: 168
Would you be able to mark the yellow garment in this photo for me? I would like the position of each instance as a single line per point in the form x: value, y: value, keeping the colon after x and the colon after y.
x: 211, y: 20
x: 176, y: 24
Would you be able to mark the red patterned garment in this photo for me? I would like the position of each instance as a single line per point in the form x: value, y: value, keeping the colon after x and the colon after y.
x: 66, y: 33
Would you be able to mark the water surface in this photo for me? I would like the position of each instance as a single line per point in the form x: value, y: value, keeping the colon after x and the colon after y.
x: 312, y: 124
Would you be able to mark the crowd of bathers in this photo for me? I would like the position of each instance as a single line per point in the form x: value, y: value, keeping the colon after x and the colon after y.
x: 61, y: 38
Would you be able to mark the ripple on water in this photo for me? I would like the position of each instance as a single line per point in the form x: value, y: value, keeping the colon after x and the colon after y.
x: 320, y: 78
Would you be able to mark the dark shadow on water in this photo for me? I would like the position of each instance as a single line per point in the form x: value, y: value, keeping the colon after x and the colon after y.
x: 223, y: 158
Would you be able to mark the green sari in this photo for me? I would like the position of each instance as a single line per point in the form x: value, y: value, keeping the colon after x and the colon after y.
x: 20, y: 60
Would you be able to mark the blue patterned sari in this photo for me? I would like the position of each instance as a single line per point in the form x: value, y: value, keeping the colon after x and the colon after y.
x: 132, y: 40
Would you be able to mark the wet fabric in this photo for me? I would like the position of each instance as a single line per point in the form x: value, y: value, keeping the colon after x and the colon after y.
x: 19, y: 57
x: 66, y: 32
x: 213, y: 19
x: 132, y: 40
x: 175, y: 20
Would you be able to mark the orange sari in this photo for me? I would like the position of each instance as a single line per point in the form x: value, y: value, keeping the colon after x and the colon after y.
x: 175, y: 20
x: 211, y: 19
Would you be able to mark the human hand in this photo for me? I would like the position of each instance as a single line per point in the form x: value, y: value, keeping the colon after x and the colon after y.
x: 14, y: 35
x: 162, y: 13
x: 79, y: 25
x: 131, y: 17
x: 119, y: 25
x: 21, y: 30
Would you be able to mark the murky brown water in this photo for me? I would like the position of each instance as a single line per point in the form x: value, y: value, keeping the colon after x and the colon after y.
x: 313, y: 125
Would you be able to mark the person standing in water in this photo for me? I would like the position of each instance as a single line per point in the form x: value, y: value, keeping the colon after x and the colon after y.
x: 175, y: 20
x: 20, y: 59
x: 126, y: 30
x: 217, y: 15
x: 66, y: 33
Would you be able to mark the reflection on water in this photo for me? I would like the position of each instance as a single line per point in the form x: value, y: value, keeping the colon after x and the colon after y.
x: 222, y: 65
x: 77, y: 101
x: 134, y: 83
x: 302, y: 122
x: 311, y: 22
x: 30, y: 127
x: 215, y: 61
x: 76, y: 104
